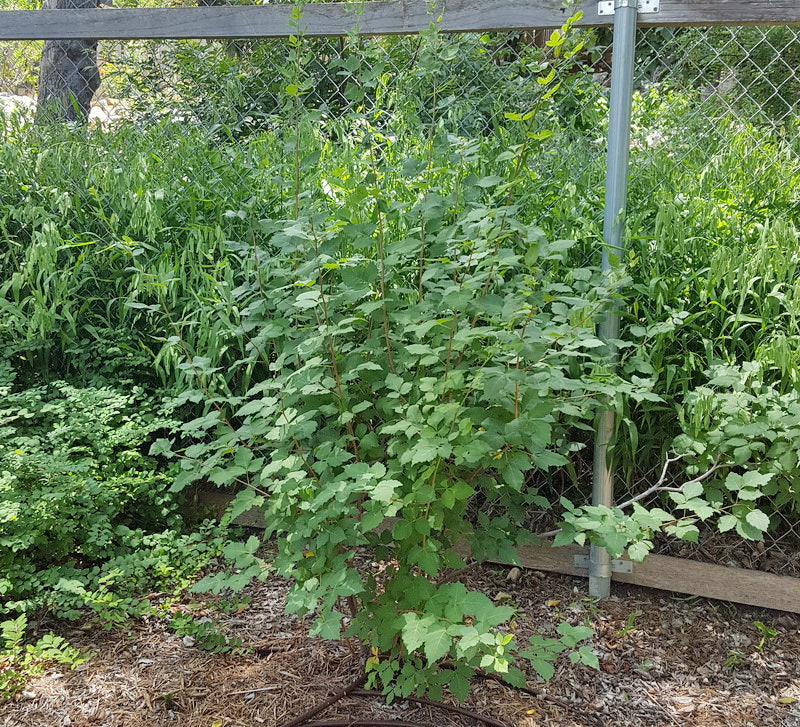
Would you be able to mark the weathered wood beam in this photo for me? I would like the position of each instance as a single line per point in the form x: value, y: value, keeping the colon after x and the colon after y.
x: 738, y: 585
x: 372, y: 18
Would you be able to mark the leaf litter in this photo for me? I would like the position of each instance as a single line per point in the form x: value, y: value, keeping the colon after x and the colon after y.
x: 663, y: 660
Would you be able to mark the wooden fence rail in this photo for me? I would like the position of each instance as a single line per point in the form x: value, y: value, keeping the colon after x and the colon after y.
x: 372, y: 18
x: 737, y: 585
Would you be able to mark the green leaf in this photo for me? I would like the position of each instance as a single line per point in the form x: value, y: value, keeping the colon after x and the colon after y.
x: 402, y: 529
x: 416, y: 630
x: 543, y: 668
x: 747, y: 531
x: 692, y: 489
x: 423, y: 451
x: 384, y: 490
x: 571, y: 635
x: 437, y: 643
x: 184, y: 479
x: 639, y: 550
x: 585, y: 655
x: 492, y: 181
x: 244, y: 501
x: 758, y: 520
x: 161, y: 447
x: 328, y: 626
x: 565, y: 536
x: 477, y: 604
x: 427, y: 560
x: 516, y: 678
x: 458, y: 685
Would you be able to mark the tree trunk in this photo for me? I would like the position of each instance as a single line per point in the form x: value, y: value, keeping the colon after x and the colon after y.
x: 68, y: 74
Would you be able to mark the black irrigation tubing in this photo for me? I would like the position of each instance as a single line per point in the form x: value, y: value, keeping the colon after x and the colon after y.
x: 364, y: 723
x: 439, y: 705
x: 322, y: 706
x: 354, y: 689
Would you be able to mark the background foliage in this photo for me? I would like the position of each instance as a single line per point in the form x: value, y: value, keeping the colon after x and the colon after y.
x: 363, y: 298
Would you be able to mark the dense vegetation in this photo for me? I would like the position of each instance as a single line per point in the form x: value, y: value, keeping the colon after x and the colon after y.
x: 371, y: 300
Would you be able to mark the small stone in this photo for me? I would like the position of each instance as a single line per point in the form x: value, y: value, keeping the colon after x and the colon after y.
x: 740, y: 640
x: 514, y: 574
x: 188, y: 641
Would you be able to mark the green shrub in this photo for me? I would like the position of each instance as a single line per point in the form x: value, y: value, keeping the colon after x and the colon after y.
x: 425, y: 354
x: 752, y: 430
x: 81, y: 504
x: 409, y: 377
x: 374, y: 309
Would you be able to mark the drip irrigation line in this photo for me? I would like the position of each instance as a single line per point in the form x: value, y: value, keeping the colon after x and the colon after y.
x: 364, y: 723
x: 439, y: 705
x: 309, y: 713
x: 354, y: 689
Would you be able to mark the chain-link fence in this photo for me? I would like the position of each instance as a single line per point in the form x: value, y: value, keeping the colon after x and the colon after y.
x: 714, y: 193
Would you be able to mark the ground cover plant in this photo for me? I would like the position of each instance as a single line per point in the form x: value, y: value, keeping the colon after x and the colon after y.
x: 88, y: 521
x: 386, y: 313
x: 20, y: 661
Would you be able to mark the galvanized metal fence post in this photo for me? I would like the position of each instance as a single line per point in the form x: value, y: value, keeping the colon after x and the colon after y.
x: 619, y: 134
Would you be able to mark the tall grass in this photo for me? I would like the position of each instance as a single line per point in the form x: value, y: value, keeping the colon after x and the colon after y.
x: 103, y: 232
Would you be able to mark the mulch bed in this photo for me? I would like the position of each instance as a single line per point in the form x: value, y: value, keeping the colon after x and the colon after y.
x: 674, y: 662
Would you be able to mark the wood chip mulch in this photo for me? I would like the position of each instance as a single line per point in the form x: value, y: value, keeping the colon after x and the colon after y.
x: 693, y: 663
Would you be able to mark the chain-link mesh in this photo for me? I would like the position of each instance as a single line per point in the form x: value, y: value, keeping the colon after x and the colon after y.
x: 466, y: 84
x: 715, y: 174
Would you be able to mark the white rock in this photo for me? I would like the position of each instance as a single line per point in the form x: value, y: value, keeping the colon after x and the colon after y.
x: 514, y: 574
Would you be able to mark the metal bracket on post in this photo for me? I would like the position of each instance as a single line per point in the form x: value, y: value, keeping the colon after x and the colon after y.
x: 607, y: 7
x: 618, y: 565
